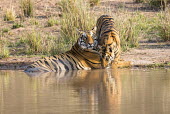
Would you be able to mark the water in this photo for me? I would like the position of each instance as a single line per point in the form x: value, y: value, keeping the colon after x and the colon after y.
x: 117, y: 91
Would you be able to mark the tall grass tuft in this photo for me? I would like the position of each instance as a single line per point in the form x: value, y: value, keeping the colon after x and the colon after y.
x: 4, y: 51
x: 75, y: 15
x: 94, y: 2
x: 5, y: 30
x: 10, y: 15
x: 43, y: 44
x: 34, y: 41
x: 27, y: 8
x: 34, y: 21
x: 131, y: 28
x: 164, y: 26
x: 52, y: 21
x: 16, y: 25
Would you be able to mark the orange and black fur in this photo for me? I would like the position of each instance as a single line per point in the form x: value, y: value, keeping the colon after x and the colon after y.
x: 108, y: 40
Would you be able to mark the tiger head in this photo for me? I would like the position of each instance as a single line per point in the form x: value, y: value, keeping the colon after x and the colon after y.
x: 87, y: 39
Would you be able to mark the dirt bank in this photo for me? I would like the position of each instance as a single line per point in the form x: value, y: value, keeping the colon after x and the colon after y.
x: 16, y: 63
x: 148, y: 53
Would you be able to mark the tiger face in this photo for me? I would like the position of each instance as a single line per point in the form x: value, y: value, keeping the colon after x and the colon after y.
x: 87, y: 40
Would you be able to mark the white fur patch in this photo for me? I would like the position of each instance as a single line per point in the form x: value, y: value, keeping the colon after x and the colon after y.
x: 84, y: 34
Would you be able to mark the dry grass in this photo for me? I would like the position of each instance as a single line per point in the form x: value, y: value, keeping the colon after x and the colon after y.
x: 10, y: 15
x: 17, y: 25
x: 75, y: 15
x: 94, y: 2
x: 27, y: 7
x: 130, y: 27
x: 37, y: 42
x: 52, y: 21
x: 34, y: 21
x: 164, y: 26
x: 4, y: 51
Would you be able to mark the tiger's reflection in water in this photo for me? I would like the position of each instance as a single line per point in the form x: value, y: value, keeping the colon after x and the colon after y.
x: 99, y: 90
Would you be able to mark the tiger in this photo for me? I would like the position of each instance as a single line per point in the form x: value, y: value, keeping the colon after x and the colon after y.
x: 108, y: 40
x: 81, y: 56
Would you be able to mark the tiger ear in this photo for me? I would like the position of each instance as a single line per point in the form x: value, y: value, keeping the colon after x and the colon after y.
x: 94, y: 29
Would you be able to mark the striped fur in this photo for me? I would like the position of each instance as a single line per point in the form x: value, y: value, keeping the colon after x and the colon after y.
x: 108, y: 40
x: 81, y: 56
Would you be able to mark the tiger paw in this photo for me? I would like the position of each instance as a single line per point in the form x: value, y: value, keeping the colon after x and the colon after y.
x: 121, y: 64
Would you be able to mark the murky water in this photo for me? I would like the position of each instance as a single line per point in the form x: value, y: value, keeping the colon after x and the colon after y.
x: 116, y: 91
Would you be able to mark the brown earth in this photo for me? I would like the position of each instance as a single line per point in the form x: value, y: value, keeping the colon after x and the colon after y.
x: 147, y: 53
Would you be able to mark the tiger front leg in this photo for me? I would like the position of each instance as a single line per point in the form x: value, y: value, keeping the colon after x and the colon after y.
x: 105, y: 62
x: 106, y: 56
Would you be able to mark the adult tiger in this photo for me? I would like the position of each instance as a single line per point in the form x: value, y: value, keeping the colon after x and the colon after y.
x: 108, y: 40
x: 81, y: 56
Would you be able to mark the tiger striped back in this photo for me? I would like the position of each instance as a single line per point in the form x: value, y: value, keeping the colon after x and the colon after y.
x: 81, y: 56
x: 108, y: 40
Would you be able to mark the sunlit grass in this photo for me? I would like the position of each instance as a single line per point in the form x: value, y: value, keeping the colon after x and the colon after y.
x: 39, y: 43
x: 75, y: 15
x: 5, y: 30
x: 52, y: 21
x: 163, y: 26
x: 10, y: 15
x: 94, y: 2
x: 131, y: 27
x: 27, y: 7
x: 16, y: 25
x: 34, y: 21
x: 4, y: 51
